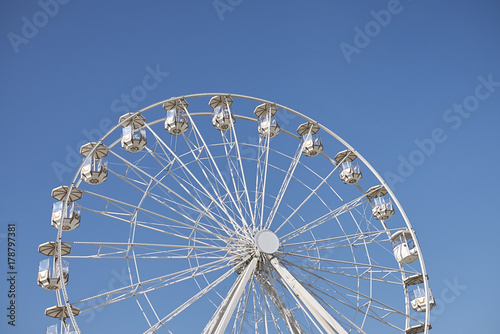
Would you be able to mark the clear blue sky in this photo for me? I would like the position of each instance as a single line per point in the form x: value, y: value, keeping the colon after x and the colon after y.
x: 391, y: 91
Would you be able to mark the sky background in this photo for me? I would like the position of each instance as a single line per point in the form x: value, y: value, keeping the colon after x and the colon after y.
x: 392, y: 90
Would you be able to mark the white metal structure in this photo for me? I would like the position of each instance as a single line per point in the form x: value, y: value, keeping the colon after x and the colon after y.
x: 235, y: 229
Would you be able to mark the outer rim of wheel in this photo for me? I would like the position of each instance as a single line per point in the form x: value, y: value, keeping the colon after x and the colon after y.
x: 322, y: 127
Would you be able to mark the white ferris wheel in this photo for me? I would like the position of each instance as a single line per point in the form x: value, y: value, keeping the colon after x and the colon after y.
x: 230, y: 214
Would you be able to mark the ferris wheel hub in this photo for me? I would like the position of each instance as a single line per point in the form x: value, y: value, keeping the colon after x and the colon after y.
x: 266, y: 241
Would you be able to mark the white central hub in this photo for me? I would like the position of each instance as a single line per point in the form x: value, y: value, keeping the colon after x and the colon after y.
x: 267, y: 241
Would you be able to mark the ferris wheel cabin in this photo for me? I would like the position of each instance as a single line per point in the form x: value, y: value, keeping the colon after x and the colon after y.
x: 382, y: 208
x: 404, y: 247
x: 95, y: 167
x: 311, y: 141
x: 268, y: 124
x: 417, y: 294
x: 68, y: 216
x: 223, y: 118
x: 418, y: 300
x: 177, y: 120
x: 350, y: 173
x: 49, y: 278
x: 133, y: 132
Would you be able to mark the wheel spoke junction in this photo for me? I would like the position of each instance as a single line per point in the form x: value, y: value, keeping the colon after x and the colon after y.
x: 231, y: 217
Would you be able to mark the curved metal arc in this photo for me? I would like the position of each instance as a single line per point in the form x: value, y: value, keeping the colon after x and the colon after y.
x: 398, y: 205
x: 328, y: 131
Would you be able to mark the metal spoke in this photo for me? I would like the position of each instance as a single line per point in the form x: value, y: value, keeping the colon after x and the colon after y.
x: 237, y: 172
x: 200, y: 185
x: 323, y: 219
x: 189, y: 302
x: 133, y: 290
x: 290, y: 250
x: 218, y: 176
x: 261, y: 181
x: 284, y: 186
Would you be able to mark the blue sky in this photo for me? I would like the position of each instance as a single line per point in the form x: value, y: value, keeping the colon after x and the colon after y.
x: 417, y: 94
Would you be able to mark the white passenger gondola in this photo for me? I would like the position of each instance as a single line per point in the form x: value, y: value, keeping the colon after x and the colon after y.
x: 223, y: 117
x: 382, y: 208
x: 49, y: 278
x: 268, y: 124
x: 417, y: 294
x: 68, y: 216
x: 403, y: 247
x: 311, y: 141
x: 133, y: 132
x: 350, y: 173
x: 177, y: 120
x: 419, y: 301
x: 95, y: 167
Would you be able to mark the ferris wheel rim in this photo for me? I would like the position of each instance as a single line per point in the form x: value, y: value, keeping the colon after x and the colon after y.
x: 322, y: 127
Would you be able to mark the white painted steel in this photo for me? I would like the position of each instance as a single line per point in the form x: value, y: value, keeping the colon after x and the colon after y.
x: 222, y: 320
x: 201, y: 203
x: 329, y: 324
x: 267, y: 241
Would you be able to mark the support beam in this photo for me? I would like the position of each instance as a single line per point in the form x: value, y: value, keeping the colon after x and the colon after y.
x: 285, y: 313
x: 329, y: 324
x: 220, y: 319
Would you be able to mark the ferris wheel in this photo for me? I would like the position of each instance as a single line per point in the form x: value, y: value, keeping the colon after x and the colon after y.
x: 225, y: 213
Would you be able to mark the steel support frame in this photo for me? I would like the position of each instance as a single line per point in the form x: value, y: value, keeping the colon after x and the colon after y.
x: 329, y: 324
x: 220, y: 319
